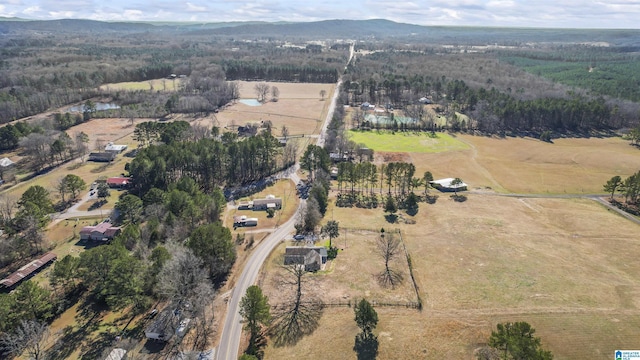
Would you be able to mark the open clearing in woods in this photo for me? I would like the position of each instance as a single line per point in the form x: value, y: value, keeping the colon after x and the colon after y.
x: 299, y: 107
x: 566, y: 266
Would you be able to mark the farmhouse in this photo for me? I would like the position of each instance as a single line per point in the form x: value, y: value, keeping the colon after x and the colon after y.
x: 118, y: 182
x: 27, y: 270
x: 243, y: 220
x: 102, y: 232
x: 313, y: 258
x: 111, y: 147
x: 102, y: 156
x: 445, y: 185
x: 270, y: 202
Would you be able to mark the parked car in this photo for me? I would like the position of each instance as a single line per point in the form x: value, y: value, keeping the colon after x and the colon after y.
x: 298, y: 237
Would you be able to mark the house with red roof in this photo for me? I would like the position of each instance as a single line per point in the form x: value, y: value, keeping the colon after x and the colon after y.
x: 119, y: 182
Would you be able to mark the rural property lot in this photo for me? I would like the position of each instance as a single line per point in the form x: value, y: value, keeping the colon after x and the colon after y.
x: 525, y: 165
x: 566, y: 266
x: 299, y: 108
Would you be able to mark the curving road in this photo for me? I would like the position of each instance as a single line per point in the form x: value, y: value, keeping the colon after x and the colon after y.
x: 232, y: 330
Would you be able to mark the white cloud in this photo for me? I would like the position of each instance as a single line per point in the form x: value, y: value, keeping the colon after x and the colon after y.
x: 195, y: 8
x: 62, y: 14
x: 31, y: 10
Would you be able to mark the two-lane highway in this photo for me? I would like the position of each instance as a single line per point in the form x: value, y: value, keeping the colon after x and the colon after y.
x: 232, y: 331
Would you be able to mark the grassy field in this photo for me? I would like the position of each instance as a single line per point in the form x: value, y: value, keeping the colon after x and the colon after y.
x: 338, y: 283
x: 151, y: 85
x: 525, y: 165
x: 414, y: 142
x: 564, y: 265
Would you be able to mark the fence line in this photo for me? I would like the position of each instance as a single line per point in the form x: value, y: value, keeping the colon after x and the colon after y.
x: 349, y: 303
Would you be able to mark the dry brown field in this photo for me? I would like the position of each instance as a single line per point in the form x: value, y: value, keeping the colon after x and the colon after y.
x: 299, y: 108
x: 566, y: 266
x: 525, y: 165
x: 339, y: 282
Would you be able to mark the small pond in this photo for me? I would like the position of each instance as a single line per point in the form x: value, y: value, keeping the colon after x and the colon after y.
x: 99, y: 106
x: 250, y: 102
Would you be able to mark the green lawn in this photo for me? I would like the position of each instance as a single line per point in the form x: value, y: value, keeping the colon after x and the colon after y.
x: 407, y: 141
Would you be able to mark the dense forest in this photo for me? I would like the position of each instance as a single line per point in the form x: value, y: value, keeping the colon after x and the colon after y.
x: 495, y: 94
x: 39, y: 73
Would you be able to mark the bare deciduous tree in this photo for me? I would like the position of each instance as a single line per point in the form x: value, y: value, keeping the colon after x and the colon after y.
x: 296, y: 318
x: 261, y: 89
x: 388, y: 247
x: 181, y: 275
x: 81, y: 140
x: 30, y: 336
x: 37, y: 147
x: 284, y: 131
x: 8, y: 204
x: 275, y: 93
x: 203, y: 313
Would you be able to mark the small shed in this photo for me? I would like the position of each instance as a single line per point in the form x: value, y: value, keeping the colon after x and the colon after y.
x: 270, y: 202
x: 446, y: 185
x: 5, y: 162
x: 102, y: 156
x: 114, y: 148
x: 116, y: 354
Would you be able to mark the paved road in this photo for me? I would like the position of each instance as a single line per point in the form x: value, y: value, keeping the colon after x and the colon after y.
x: 228, y: 348
x: 232, y: 331
x: 332, y: 106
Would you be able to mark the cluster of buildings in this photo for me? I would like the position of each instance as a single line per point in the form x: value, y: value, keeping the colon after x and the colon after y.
x: 109, y: 154
x: 269, y: 202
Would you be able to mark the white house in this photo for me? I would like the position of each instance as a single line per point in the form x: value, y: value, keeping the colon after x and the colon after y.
x: 113, y: 148
x: 445, y: 185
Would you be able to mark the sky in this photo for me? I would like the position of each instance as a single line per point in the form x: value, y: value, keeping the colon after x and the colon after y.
x: 498, y: 13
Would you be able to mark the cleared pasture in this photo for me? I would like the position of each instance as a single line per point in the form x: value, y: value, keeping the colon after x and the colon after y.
x: 415, y: 142
x: 525, y: 165
x: 299, y: 107
x: 567, y: 266
x: 150, y: 85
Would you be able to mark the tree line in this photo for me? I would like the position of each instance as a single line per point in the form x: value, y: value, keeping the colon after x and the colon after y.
x: 498, y: 96
x: 629, y: 187
x: 37, y: 75
x: 244, y: 70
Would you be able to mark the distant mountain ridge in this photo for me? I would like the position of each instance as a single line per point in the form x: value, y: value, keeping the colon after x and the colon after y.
x: 332, y: 29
